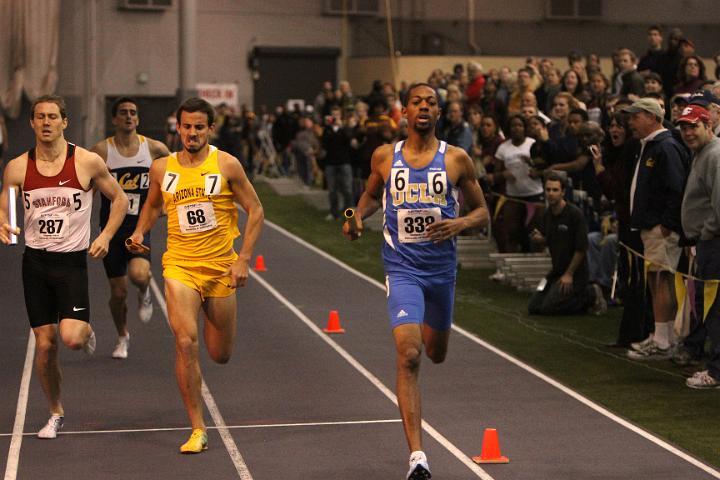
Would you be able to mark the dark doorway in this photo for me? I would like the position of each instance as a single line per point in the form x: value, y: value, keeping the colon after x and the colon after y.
x: 285, y: 73
x: 153, y: 112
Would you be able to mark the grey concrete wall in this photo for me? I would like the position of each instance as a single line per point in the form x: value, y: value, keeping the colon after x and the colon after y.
x: 521, y: 27
x: 234, y: 28
x: 685, y: 12
x: 546, y: 38
x: 137, y: 53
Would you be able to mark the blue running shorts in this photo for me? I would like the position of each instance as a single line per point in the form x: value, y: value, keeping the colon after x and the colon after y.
x: 420, y: 299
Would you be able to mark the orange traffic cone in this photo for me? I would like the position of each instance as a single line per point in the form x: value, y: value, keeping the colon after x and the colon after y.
x: 490, y: 449
x: 260, y: 264
x: 333, y: 325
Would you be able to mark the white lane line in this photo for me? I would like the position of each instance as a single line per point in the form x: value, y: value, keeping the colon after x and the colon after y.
x: 229, y: 427
x: 11, y: 467
x: 372, y: 378
x: 577, y: 396
x: 227, y: 439
x: 589, y: 403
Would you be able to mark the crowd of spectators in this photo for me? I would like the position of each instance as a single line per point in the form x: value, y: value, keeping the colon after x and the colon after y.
x: 592, y: 165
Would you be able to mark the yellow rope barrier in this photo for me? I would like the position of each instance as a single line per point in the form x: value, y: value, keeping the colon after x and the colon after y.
x: 710, y: 286
x: 502, y: 199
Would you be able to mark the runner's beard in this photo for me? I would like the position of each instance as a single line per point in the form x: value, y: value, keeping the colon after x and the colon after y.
x: 195, y: 149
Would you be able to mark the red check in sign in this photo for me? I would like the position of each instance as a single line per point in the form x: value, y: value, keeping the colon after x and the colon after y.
x: 217, y: 93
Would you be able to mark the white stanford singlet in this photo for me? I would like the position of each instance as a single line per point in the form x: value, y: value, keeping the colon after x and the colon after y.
x: 57, y: 209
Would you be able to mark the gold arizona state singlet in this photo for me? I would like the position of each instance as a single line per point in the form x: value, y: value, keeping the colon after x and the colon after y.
x: 202, y: 218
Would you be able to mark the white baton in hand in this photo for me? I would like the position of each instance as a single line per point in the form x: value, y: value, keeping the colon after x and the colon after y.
x: 12, y: 212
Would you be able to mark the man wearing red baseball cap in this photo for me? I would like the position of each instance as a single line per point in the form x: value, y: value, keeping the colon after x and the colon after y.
x: 700, y: 214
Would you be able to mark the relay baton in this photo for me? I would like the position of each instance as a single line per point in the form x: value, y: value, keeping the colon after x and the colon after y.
x: 12, y: 212
x: 349, y: 214
x: 130, y: 243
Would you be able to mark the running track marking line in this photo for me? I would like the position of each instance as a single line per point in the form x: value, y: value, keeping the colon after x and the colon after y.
x: 227, y: 439
x: 473, y: 338
x: 13, y: 460
x: 229, y: 427
x: 372, y: 378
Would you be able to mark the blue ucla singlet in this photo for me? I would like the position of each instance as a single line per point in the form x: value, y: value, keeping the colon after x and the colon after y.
x: 413, y: 200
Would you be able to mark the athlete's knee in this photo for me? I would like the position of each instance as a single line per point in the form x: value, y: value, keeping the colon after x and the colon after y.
x: 436, y: 354
x: 118, y: 294
x: 73, y: 339
x: 187, y: 345
x: 139, y: 276
x: 73, y: 342
x: 221, y: 355
x: 409, y: 357
x: 45, y: 346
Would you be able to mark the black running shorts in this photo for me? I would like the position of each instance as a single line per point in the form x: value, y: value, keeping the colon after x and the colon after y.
x: 118, y: 257
x: 55, y: 285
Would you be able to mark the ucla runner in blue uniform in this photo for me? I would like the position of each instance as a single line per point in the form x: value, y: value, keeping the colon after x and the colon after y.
x: 417, y: 182
x: 128, y: 156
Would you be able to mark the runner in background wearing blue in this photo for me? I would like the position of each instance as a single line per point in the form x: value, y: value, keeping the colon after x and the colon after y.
x: 417, y: 182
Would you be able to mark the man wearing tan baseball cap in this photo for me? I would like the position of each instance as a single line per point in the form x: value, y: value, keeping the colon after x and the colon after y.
x: 656, y: 194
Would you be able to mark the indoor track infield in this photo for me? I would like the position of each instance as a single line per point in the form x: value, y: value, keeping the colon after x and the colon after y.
x: 296, y: 403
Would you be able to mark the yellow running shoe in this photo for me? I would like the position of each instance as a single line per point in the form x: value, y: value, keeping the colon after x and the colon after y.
x: 197, y: 443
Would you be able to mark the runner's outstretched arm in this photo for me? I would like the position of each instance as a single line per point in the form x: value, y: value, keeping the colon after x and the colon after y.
x: 153, y: 204
x: 108, y: 186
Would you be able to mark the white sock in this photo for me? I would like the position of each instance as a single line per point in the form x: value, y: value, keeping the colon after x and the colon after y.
x: 418, y: 456
x: 662, y: 334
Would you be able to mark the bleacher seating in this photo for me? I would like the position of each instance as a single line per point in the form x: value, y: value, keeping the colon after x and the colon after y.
x: 522, y: 270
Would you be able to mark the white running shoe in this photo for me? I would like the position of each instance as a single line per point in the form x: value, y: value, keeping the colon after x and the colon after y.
x: 651, y: 351
x: 52, y: 427
x: 599, y: 306
x: 702, y: 380
x: 121, y: 347
x: 641, y: 345
x: 89, y: 347
x: 498, y: 276
x: 145, y: 306
x: 419, y: 469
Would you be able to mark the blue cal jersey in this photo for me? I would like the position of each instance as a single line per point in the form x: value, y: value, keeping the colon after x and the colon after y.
x: 414, y: 199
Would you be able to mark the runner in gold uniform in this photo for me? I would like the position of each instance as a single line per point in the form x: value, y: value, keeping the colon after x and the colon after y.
x: 198, y: 187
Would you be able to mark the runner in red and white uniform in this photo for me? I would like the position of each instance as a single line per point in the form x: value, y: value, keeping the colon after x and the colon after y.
x: 56, y: 180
